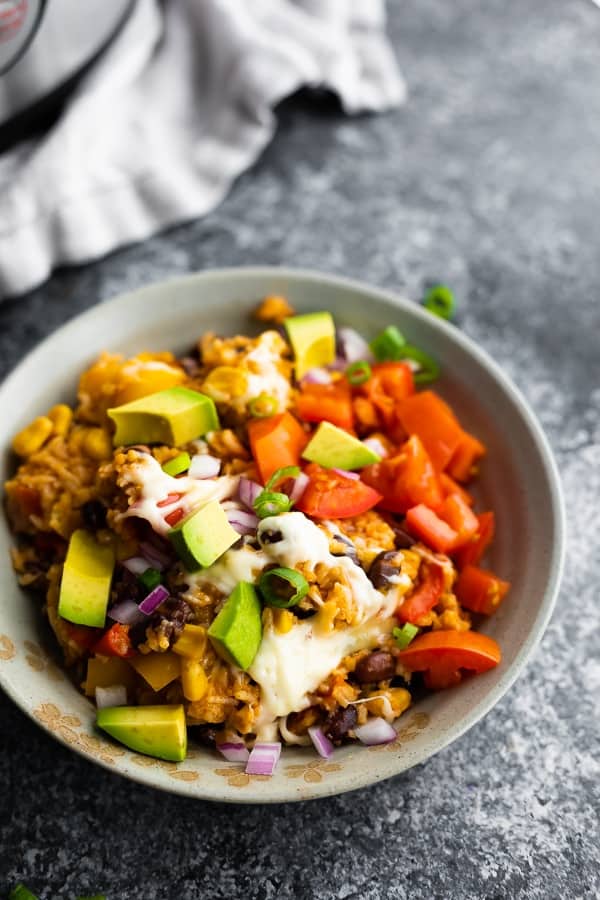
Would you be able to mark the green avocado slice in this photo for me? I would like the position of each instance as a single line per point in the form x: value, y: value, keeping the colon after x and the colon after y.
x: 334, y: 448
x: 312, y: 337
x: 173, y: 416
x: 203, y: 536
x: 236, y: 632
x: 86, y: 578
x: 158, y: 731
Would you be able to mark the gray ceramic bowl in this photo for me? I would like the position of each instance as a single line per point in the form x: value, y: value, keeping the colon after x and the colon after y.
x: 518, y: 480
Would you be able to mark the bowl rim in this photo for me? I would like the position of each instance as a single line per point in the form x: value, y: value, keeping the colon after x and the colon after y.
x: 367, y: 776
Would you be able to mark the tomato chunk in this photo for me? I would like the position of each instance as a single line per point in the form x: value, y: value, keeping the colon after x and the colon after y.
x: 463, y: 465
x: 480, y: 590
x: 427, y: 526
x: 460, y: 517
x: 330, y: 495
x: 390, y: 382
x: 471, y: 553
x: 405, y: 479
x: 443, y: 655
x: 326, y: 403
x: 428, y: 416
x: 450, y: 486
x: 425, y: 596
x: 115, y: 642
x: 276, y: 441
x: 82, y: 635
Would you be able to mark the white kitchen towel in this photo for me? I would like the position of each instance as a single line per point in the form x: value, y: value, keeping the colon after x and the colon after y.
x: 180, y: 104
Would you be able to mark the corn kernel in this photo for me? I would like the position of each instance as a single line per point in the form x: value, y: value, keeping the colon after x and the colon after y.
x: 193, y: 679
x: 61, y: 417
x: 226, y: 382
x: 283, y: 620
x: 325, y: 617
x: 97, y: 444
x: 33, y: 436
x: 192, y: 642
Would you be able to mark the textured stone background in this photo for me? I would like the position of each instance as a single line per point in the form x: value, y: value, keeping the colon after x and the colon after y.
x: 489, y: 179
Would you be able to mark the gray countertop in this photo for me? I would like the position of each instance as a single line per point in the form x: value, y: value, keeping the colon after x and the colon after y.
x: 489, y: 180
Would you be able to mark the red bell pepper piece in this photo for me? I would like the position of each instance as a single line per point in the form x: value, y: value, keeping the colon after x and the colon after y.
x: 276, y: 441
x: 405, y: 479
x: 433, y: 531
x: 326, y: 403
x: 471, y: 553
x: 428, y: 416
x: 115, y: 642
x: 460, y: 517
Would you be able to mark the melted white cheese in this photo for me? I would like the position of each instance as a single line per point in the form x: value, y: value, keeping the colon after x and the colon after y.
x: 268, y: 379
x: 237, y: 564
x: 155, y: 486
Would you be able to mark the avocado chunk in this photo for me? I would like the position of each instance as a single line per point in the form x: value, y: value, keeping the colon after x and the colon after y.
x: 203, y: 536
x: 236, y: 632
x: 154, y: 730
x: 312, y: 337
x: 173, y: 416
x: 177, y: 465
x: 334, y: 448
x: 85, y: 584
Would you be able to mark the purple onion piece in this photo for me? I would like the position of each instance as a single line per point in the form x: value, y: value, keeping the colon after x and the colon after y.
x: 150, y: 603
x: 376, y: 446
x: 375, y: 731
x: 299, y: 485
x: 243, y: 521
x: 317, y: 375
x: 248, y: 491
x: 204, y: 466
x: 234, y: 752
x: 115, y: 695
x: 263, y: 759
x: 127, y: 612
x: 354, y: 476
x: 352, y: 346
x: 156, y: 559
x: 321, y: 742
x: 137, y: 565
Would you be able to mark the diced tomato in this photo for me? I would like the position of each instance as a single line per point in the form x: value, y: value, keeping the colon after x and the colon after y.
x: 330, y: 495
x: 463, y: 465
x: 174, y: 517
x: 471, y: 553
x: 326, y: 403
x: 425, y: 596
x: 276, y: 441
x: 450, y: 486
x: 480, y: 590
x: 442, y: 655
x: 115, y: 642
x: 405, y: 479
x: 169, y: 499
x: 433, y: 531
x: 390, y: 382
x: 428, y: 416
x: 83, y: 636
x: 460, y: 517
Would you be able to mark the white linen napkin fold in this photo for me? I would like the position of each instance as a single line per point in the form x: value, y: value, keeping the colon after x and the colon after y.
x: 179, y: 105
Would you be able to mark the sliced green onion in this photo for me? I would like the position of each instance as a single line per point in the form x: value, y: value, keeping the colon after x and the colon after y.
x: 428, y: 368
x: 280, y: 474
x: 263, y: 406
x: 387, y: 345
x: 282, y: 587
x: 439, y: 300
x: 358, y: 372
x: 150, y: 578
x: 20, y: 892
x: 271, y: 503
x: 403, y: 636
x: 177, y: 465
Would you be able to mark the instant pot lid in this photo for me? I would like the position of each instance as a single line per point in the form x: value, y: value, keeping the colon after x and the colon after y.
x: 70, y: 33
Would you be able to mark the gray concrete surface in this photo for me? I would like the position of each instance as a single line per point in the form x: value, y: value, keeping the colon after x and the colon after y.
x: 488, y: 179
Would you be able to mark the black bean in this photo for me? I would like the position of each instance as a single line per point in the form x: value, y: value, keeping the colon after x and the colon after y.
x: 402, y: 539
x: 206, y: 734
x: 339, y: 723
x: 170, y: 618
x: 384, y: 568
x: 349, y: 551
x: 93, y: 515
x: 377, y: 666
x: 270, y: 537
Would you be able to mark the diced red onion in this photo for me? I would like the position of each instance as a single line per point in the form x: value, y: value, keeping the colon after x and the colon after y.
x: 126, y: 612
x: 204, y: 466
x: 115, y: 695
x: 346, y: 474
x: 243, y: 521
x: 248, y: 491
x: 352, y: 346
x: 137, y: 565
x: 299, y: 485
x: 263, y: 759
x: 317, y: 376
x: 234, y: 752
x: 375, y: 731
x: 376, y: 446
x: 156, y: 558
x: 321, y: 742
x: 154, y: 599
